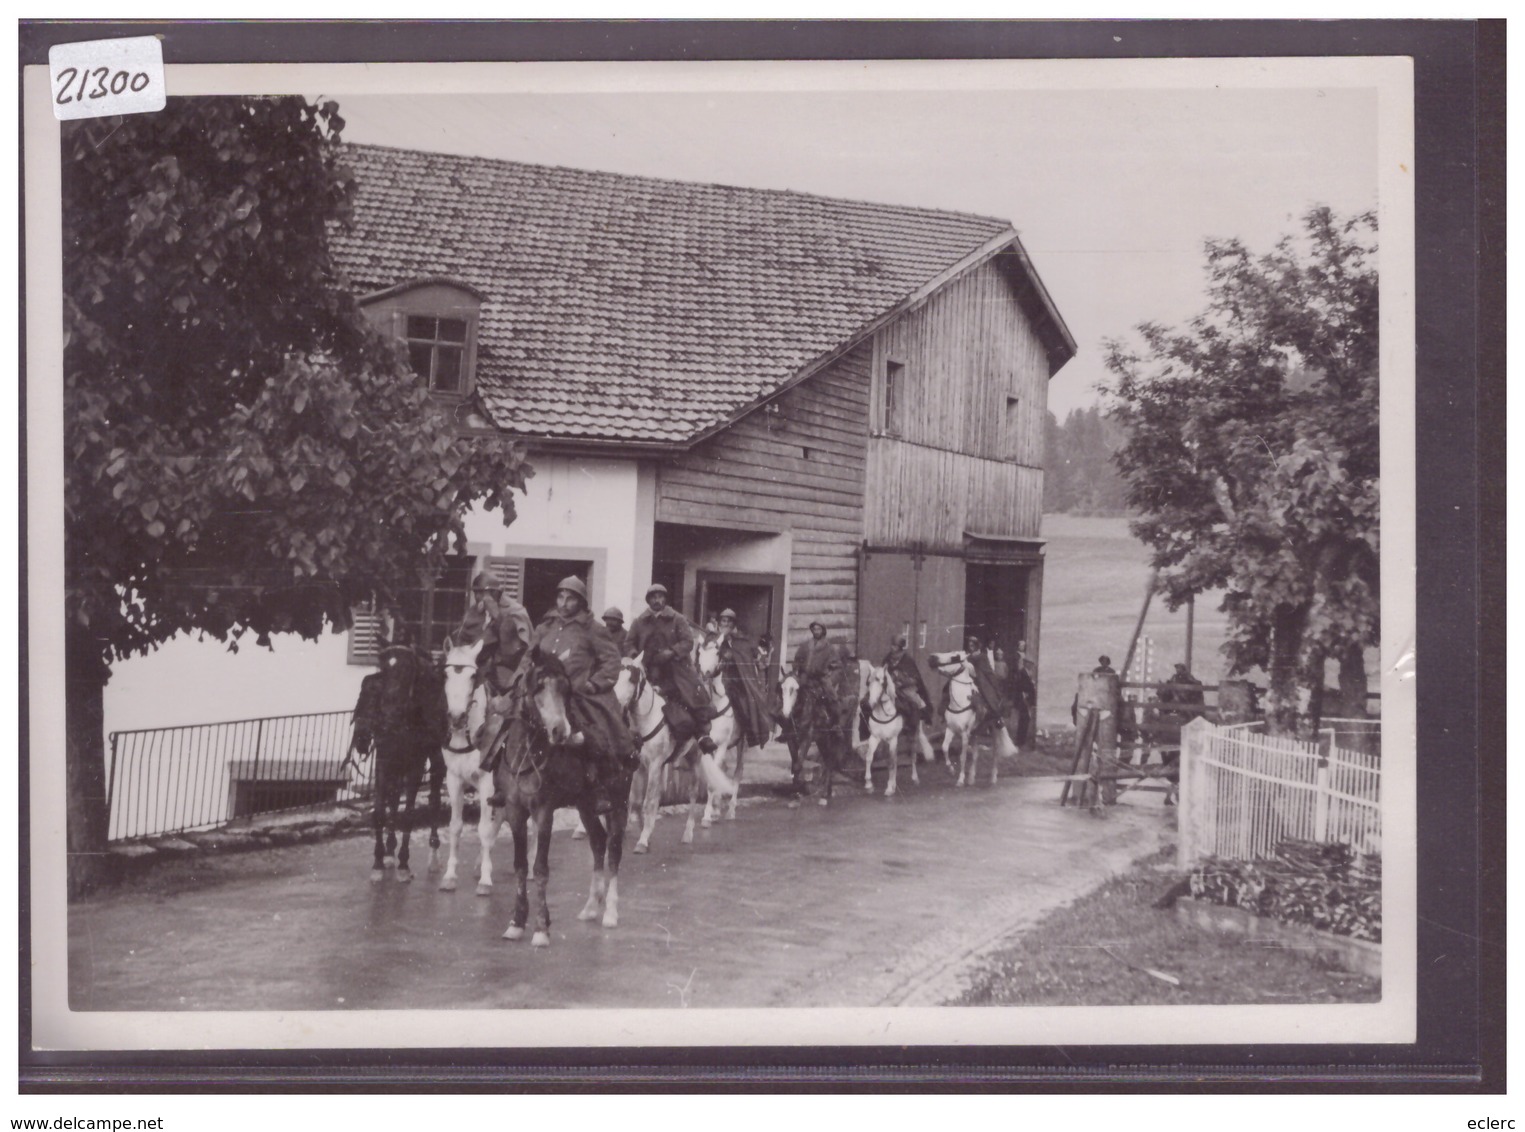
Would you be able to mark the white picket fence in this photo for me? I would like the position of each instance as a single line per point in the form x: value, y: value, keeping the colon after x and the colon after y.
x: 1243, y: 791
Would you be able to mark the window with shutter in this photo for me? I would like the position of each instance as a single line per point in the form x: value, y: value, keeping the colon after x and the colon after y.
x: 364, y: 636
x: 508, y: 573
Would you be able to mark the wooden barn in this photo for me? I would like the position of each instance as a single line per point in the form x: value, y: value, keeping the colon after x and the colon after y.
x: 799, y: 407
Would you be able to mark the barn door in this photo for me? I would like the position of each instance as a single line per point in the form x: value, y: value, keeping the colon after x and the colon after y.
x: 887, y: 602
x: 940, y: 605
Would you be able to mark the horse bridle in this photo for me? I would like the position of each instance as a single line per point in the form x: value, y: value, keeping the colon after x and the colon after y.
x: 965, y: 670
x: 539, y: 736
x: 710, y: 680
x: 642, y: 686
x: 477, y: 683
x: 894, y: 715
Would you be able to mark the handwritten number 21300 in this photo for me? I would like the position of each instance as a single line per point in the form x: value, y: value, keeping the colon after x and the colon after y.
x: 106, y: 81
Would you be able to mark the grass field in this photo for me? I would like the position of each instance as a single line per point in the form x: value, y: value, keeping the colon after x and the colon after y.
x: 1100, y: 950
x: 1093, y: 588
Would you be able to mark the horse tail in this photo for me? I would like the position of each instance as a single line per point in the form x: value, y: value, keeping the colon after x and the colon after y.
x: 715, y: 778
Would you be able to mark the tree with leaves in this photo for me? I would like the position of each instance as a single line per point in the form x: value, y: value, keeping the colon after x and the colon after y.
x: 1252, y: 457
x: 244, y: 453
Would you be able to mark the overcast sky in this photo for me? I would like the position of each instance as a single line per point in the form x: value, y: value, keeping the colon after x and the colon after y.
x: 1112, y: 191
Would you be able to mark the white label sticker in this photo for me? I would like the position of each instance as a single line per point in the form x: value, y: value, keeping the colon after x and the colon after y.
x: 107, y: 76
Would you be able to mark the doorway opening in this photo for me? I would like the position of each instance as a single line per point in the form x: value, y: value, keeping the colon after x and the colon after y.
x: 541, y: 576
x: 995, y: 604
x: 756, y: 599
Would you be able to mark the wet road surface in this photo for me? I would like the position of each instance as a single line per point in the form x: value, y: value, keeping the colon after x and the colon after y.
x: 865, y: 903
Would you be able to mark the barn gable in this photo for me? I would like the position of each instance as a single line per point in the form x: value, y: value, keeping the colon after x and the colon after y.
x: 632, y: 310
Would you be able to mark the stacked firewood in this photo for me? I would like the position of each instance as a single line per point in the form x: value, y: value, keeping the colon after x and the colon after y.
x: 1327, y: 886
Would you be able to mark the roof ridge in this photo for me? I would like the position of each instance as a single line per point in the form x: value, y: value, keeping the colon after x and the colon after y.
x: 920, y: 210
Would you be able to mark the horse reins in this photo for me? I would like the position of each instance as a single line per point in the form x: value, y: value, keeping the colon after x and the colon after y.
x: 710, y: 680
x: 973, y: 684
x: 643, y: 687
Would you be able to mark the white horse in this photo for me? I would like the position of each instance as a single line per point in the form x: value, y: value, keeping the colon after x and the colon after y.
x: 725, y: 729
x: 885, y: 723
x: 643, y: 706
x: 467, y: 704
x: 963, y: 716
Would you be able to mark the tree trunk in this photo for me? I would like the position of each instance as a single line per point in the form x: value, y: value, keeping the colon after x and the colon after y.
x: 1311, y: 717
x: 1353, y: 682
x: 1282, y: 707
x: 85, y: 762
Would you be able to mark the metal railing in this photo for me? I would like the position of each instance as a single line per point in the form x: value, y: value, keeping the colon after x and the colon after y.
x: 1242, y: 792
x: 171, y: 779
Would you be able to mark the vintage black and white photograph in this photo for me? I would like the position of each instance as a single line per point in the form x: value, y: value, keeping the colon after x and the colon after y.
x: 726, y: 554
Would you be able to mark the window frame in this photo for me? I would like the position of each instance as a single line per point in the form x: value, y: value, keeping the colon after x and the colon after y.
x: 440, y: 299
x: 889, y: 405
x: 436, y: 345
x: 1011, y: 428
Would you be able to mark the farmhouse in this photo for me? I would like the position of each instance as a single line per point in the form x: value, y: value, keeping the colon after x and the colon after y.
x: 798, y: 407
x: 802, y: 408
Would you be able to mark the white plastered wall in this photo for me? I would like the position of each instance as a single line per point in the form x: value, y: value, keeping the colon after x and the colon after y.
x: 572, y: 505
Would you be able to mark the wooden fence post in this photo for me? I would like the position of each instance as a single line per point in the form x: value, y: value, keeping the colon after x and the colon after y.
x: 1101, y: 691
x: 1321, y: 797
x: 1191, y: 807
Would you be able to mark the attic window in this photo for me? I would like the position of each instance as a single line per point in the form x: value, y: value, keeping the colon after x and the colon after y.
x: 437, y: 351
x: 436, y: 320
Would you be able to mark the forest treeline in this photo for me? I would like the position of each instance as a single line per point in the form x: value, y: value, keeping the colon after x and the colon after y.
x: 1079, y: 475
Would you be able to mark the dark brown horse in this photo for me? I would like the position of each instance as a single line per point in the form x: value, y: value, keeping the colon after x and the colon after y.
x: 401, y: 716
x: 819, y: 710
x: 542, y: 770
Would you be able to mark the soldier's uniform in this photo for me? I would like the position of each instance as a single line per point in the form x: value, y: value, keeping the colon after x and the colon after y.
x: 665, y: 641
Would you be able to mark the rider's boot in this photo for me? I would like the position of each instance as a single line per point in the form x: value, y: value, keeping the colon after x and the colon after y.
x: 702, y: 715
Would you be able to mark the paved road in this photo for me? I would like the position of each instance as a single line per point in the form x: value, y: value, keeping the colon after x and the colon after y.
x: 871, y: 902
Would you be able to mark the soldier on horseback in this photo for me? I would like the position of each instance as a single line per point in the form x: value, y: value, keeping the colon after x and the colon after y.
x: 911, y: 695
x: 989, y: 697
x: 819, y: 663
x: 502, y: 625
x: 504, y: 628
x: 592, y: 665
x: 743, y: 680
x: 666, y: 639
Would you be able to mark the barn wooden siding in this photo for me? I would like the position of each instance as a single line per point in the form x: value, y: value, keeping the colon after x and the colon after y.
x: 928, y: 497
x: 965, y: 450
x: 797, y: 468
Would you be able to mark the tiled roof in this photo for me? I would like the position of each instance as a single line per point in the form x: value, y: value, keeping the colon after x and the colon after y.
x: 628, y: 308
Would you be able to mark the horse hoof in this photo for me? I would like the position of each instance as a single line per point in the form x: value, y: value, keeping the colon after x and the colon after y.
x: 389, y: 862
x: 688, y: 837
x: 611, y: 920
x: 868, y: 790
x: 484, y: 889
x: 823, y: 802
x: 959, y: 782
x: 540, y: 939
x: 706, y: 823
x: 404, y: 875
x: 514, y: 932
x: 889, y: 793
x: 447, y: 885
x: 590, y: 912
x: 641, y: 847
x: 378, y: 875
x: 794, y: 804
